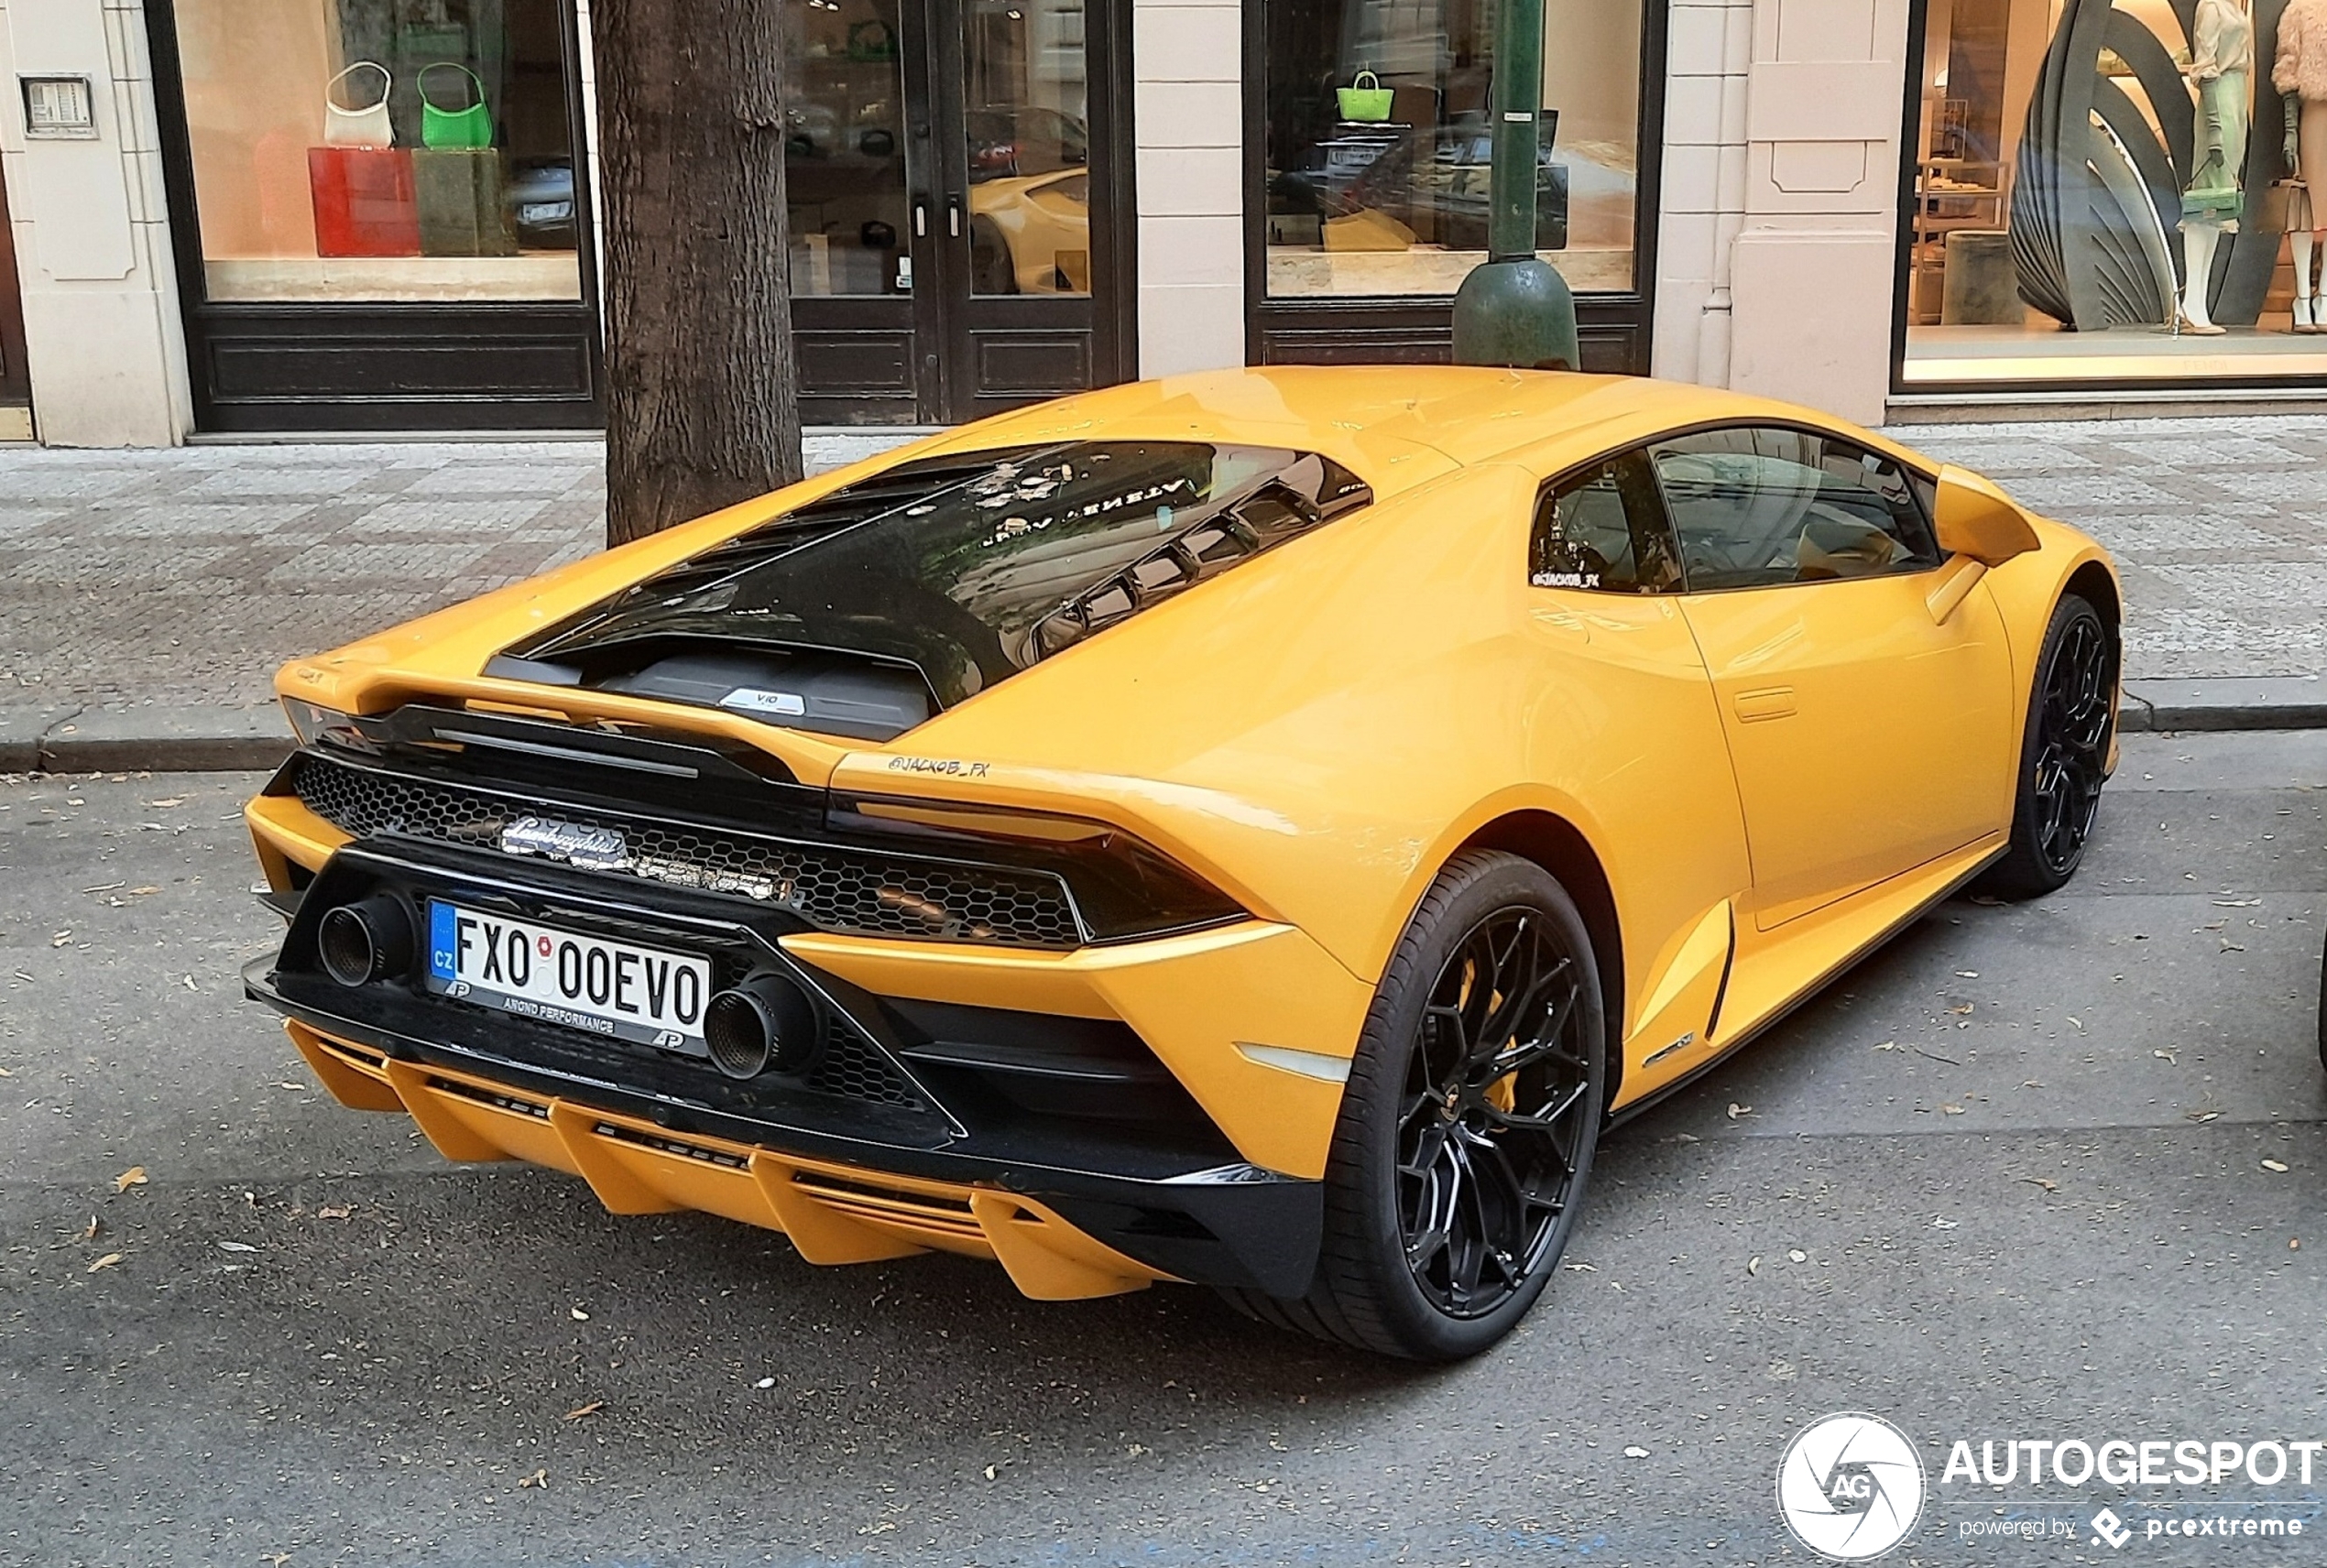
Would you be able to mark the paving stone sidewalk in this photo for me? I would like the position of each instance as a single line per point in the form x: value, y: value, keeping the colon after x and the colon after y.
x: 154, y: 580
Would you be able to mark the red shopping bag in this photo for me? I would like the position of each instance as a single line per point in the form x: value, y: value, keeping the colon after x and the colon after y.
x: 364, y: 201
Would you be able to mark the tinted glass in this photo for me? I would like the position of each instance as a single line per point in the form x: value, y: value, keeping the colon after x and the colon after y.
x: 1601, y: 529
x: 971, y: 567
x: 1756, y: 506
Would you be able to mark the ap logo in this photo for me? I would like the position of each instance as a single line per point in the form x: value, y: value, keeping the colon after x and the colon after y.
x: 1851, y: 1488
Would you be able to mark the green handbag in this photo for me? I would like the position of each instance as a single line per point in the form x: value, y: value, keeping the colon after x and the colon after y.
x: 1365, y: 100
x: 469, y: 127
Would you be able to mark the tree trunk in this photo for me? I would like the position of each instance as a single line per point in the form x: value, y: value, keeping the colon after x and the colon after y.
x: 702, y: 407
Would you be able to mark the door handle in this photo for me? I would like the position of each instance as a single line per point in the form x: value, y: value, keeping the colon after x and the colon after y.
x: 920, y: 217
x: 953, y: 214
x: 1766, y: 703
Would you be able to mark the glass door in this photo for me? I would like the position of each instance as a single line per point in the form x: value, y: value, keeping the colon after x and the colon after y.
x: 1019, y: 203
x: 949, y: 192
x: 856, y: 145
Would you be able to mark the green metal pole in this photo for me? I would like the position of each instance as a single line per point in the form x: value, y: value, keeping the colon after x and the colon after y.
x: 1516, y: 99
x: 1517, y: 310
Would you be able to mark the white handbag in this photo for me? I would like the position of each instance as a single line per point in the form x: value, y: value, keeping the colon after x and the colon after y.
x: 367, y: 127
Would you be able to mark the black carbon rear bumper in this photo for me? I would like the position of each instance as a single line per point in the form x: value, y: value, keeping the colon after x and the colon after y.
x: 1163, y: 1190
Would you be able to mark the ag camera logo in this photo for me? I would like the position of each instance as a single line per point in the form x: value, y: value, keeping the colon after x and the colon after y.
x: 1851, y: 1486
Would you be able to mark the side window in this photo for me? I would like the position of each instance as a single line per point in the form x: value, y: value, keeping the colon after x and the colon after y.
x: 1760, y: 506
x: 1603, y: 528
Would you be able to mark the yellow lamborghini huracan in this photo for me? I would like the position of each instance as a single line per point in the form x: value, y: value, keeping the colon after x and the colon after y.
x: 1254, y: 828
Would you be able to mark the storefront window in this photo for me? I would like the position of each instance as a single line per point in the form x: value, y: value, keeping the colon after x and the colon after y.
x: 1379, y: 137
x: 2114, y: 192
x: 367, y: 151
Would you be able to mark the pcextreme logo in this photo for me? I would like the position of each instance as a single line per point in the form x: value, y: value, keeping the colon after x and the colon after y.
x: 1851, y: 1486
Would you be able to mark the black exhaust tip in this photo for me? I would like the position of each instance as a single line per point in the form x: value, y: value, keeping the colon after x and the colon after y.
x: 765, y: 1024
x: 361, y: 942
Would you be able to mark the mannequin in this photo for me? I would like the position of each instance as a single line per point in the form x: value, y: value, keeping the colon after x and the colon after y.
x: 2222, y: 59
x: 2300, y: 75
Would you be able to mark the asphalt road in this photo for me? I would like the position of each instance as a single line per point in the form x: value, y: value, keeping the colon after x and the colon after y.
x: 2007, y: 1179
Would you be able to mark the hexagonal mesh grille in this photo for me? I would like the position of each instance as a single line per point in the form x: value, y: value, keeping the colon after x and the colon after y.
x: 837, y: 888
x: 853, y: 1066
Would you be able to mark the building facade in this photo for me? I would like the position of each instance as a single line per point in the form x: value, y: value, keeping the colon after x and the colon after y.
x: 252, y: 216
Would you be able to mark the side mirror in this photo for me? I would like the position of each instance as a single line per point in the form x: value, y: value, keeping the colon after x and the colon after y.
x: 1978, y: 520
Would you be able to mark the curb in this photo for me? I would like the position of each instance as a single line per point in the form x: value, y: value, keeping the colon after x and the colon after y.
x: 2224, y: 702
x: 212, y: 739
x: 151, y: 739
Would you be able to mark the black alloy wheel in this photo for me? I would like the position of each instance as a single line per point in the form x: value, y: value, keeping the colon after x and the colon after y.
x: 1466, y: 1137
x: 2064, y: 754
x: 1490, y: 1126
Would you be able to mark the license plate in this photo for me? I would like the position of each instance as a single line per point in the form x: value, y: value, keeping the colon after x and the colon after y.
x: 617, y: 989
x: 544, y: 211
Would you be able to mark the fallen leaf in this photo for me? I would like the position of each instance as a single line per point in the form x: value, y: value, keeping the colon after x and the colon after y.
x: 6, y: 1074
x: 133, y: 1177
x: 2167, y: 1056
x: 107, y: 1261
x: 883, y: 1528
x: 2202, y: 1116
x: 2050, y: 1186
x: 236, y: 1246
x: 1964, y: 1008
x: 2232, y: 947
x: 88, y: 1232
x: 335, y: 1211
x: 2294, y: 1244
x: 1937, y: 1224
x: 1781, y: 1372
x: 2273, y: 1165
x: 578, y: 1411
x: 765, y: 1383
x: 990, y: 1472
x: 1636, y: 1452
x: 539, y: 1478
x: 1798, y: 1255
x: 1952, y: 1110
x: 579, y: 1315
x: 1754, y: 1266
x: 141, y: 892
x: 167, y: 804
x: 1686, y: 1138
x: 106, y: 887
x: 1736, y: 1110
x: 61, y: 938
x: 1583, y: 1269
x: 2078, y: 1022
x: 1967, y: 975
x: 2236, y: 903
x: 1890, y: 1045
x: 190, y: 983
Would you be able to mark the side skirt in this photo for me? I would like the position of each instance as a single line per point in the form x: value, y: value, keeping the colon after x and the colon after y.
x: 1657, y: 1097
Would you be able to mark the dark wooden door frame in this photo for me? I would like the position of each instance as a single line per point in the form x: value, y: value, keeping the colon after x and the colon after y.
x: 15, y: 375
x: 941, y: 328
x: 257, y: 366
x: 1026, y: 323
x: 1616, y: 330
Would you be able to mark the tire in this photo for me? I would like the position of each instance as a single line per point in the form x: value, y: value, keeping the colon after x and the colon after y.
x: 1445, y: 1214
x: 992, y: 268
x: 2064, y: 754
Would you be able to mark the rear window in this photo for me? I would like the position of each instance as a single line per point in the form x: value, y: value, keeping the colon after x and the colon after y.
x: 973, y: 566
